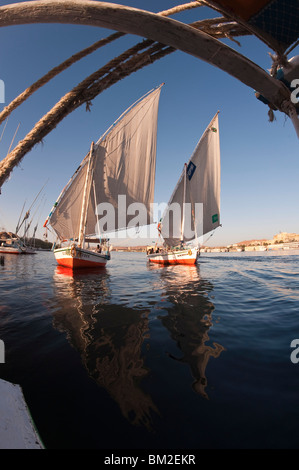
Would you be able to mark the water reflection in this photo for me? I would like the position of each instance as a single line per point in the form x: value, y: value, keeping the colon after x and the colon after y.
x: 109, y: 338
x: 114, y: 341
x: 189, y: 319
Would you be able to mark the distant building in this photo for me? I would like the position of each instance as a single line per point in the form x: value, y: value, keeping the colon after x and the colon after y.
x: 252, y: 242
x: 285, y: 237
x: 281, y: 239
x: 129, y: 248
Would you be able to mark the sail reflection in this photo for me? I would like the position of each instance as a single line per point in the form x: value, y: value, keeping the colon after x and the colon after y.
x: 189, y: 319
x: 116, y: 342
x: 108, y: 337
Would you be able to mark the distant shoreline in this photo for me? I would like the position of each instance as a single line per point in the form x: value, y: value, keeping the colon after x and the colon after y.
x: 248, y: 249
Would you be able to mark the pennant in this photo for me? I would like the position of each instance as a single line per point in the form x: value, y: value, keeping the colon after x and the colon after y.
x: 190, y: 170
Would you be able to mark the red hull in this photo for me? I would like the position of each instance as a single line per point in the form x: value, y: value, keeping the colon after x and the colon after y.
x: 77, y: 258
x: 74, y: 263
x: 184, y: 256
x: 185, y: 261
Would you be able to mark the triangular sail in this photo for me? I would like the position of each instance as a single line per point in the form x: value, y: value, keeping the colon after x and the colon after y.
x: 199, y: 188
x: 123, y: 164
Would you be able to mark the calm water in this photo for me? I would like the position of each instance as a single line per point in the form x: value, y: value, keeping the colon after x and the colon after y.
x: 141, y: 357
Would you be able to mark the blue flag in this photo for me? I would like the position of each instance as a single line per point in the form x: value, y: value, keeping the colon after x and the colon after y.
x: 190, y: 170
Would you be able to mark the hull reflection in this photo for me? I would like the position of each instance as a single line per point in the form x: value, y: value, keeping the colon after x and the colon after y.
x: 189, y: 319
x: 109, y: 339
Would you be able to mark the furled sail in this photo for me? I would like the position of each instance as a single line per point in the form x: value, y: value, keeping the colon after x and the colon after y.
x: 122, y: 164
x: 194, y: 207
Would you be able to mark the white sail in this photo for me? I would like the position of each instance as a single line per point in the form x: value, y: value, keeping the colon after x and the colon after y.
x: 199, y: 188
x: 122, y: 163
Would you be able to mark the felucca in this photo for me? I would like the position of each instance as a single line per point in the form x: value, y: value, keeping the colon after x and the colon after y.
x: 122, y: 162
x: 197, y: 196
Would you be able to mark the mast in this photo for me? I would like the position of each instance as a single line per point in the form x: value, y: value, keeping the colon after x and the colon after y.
x: 184, y: 199
x: 84, y: 201
x: 26, y: 216
x: 96, y: 205
x: 18, y: 224
x: 13, y: 139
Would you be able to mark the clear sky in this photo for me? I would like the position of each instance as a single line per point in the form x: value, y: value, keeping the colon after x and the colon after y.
x: 259, y: 159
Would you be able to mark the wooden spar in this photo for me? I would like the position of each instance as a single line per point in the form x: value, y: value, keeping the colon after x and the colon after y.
x: 96, y: 205
x: 125, y: 64
x: 79, y: 55
x: 51, y: 74
x: 129, y: 20
x: 184, y: 200
x: 85, y: 201
x: 153, y: 26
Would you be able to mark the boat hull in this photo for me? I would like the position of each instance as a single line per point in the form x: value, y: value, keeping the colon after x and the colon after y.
x: 189, y: 256
x: 15, y: 247
x: 29, y: 251
x: 11, y: 250
x: 79, y: 258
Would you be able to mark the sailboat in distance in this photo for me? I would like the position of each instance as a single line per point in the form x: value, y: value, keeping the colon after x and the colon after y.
x: 194, y: 207
x: 121, y: 163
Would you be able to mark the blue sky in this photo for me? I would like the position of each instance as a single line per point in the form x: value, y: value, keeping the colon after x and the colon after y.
x: 259, y: 160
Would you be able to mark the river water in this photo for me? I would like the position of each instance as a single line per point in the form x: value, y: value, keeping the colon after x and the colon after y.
x: 135, y: 356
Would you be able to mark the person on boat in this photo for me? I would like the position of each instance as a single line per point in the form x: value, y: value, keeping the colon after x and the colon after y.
x: 99, y: 249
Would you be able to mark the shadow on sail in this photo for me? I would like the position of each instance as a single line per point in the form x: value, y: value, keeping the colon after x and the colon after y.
x: 108, y: 337
x: 189, y: 319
